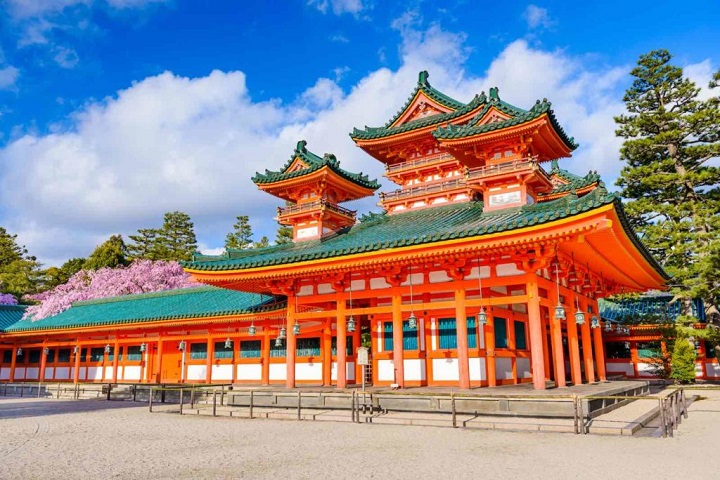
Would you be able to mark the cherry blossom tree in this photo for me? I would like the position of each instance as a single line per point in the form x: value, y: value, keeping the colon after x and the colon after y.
x: 141, y: 276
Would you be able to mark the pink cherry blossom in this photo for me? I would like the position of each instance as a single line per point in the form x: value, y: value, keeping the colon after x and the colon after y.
x: 141, y: 276
x: 8, y: 299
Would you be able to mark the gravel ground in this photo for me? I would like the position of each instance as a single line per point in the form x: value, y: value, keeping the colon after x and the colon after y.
x: 89, y: 439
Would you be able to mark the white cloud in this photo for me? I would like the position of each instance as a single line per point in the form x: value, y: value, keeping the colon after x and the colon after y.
x: 701, y: 73
x: 537, y: 17
x: 66, y: 57
x: 338, y: 7
x: 191, y: 144
x: 8, y: 77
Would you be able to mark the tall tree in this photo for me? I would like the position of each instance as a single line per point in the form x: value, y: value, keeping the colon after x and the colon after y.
x: 55, y: 276
x: 144, y: 244
x: 673, y: 191
x: 19, y: 271
x: 284, y: 235
x: 112, y: 253
x: 176, y: 239
x: 241, y: 236
x: 264, y: 242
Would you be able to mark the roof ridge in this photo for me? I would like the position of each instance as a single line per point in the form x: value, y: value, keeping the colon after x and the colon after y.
x: 132, y: 296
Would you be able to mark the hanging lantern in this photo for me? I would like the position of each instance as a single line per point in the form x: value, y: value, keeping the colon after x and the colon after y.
x: 19, y: 352
x: 482, y: 317
x: 572, y: 278
x: 252, y: 329
x: 626, y: 330
x: 351, y: 324
x: 296, y: 328
x: 559, y: 312
x: 608, y: 327
x: 594, y: 322
x: 181, y: 345
x: 143, y: 347
x: 107, y: 348
x: 282, y: 333
x: 278, y: 342
x: 75, y: 350
x: 46, y: 351
x: 580, y: 317
x: 412, y: 320
x: 587, y: 285
x: 619, y: 328
x: 228, y: 343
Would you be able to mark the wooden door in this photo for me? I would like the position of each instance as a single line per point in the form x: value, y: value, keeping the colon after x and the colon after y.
x: 171, y: 363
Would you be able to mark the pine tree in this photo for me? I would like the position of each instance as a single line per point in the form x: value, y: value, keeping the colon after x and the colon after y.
x: 673, y: 192
x: 284, y: 235
x: 144, y: 244
x: 176, y: 239
x: 264, y: 242
x: 55, y: 276
x: 19, y: 272
x: 683, y: 360
x: 112, y: 253
x: 241, y: 236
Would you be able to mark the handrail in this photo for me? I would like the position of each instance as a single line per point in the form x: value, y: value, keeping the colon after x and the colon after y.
x: 418, y: 163
x: 424, y: 189
x: 317, y: 204
x: 497, y: 168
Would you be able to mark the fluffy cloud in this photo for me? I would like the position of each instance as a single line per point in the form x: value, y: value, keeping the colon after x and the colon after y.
x: 191, y: 144
x: 8, y: 77
x: 537, y: 17
x: 338, y: 7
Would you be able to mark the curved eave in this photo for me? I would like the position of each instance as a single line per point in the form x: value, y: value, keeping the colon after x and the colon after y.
x: 537, y: 233
x: 337, y: 178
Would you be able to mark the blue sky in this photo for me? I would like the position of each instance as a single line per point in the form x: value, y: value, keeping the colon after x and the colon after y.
x: 115, y: 111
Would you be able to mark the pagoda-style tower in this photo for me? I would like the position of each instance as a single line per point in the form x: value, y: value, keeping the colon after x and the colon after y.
x: 313, y: 187
x: 440, y: 150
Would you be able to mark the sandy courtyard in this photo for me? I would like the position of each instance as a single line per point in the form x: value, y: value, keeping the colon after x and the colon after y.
x: 96, y: 439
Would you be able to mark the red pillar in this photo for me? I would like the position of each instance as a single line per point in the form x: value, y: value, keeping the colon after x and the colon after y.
x: 116, y: 357
x: 462, y: 337
x: 291, y: 342
x: 208, y: 361
x: 398, y: 354
x: 265, y: 360
x: 327, y: 353
x: 557, y: 345
x: 341, y: 342
x: 13, y: 364
x: 490, y: 350
x: 599, y: 349
x: 76, y: 372
x: 158, y: 361
x: 573, y: 346
x: 587, y: 348
x: 536, y: 336
x: 43, y: 362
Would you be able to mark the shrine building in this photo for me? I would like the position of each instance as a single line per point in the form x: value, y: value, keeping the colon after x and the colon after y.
x: 484, y: 268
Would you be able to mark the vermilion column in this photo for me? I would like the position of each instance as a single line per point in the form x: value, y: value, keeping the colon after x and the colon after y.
x: 587, y: 348
x: 557, y: 345
x: 599, y: 349
x: 76, y: 373
x: 158, y: 362
x: 341, y: 343
x: 291, y: 343
x: 327, y: 353
x: 116, y: 358
x: 462, y: 337
x: 209, y: 360
x: 536, y: 336
x: 574, y: 348
x: 546, y: 351
x: 490, y: 350
x: 398, y: 353
x: 43, y: 362
x: 13, y: 364
x: 265, y: 373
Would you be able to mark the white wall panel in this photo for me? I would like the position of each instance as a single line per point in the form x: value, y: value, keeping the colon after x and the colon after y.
x: 523, y: 368
x: 249, y: 372
x: 503, y: 368
x: 278, y: 371
x: 196, y: 372
x: 478, y: 371
x: 349, y: 374
x: 386, y: 370
x: 445, y: 369
x: 414, y: 369
x: 221, y: 372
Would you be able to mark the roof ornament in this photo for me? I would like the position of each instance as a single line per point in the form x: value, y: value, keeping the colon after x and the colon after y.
x: 483, y: 97
x: 554, y: 166
x: 494, y: 94
x: 300, y: 148
x: 423, y: 78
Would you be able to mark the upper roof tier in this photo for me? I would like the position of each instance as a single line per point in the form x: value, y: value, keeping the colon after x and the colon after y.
x: 455, y: 126
x: 306, y: 167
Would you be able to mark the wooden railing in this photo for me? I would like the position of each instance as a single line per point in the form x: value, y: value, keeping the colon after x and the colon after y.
x: 316, y: 205
x: 413, y: 164
x: 505, y: 167
x: 424, y: 189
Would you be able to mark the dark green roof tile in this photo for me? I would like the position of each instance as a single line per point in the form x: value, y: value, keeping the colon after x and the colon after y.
x: 205, y: 301
x: 10, y: 314
x: 314, y: 163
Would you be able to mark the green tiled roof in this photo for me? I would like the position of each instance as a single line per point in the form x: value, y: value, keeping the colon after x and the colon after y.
x: 10, y: 314
x: 381, y: 232
x: 459, y: 109
x: 205, y: 301
x: 539, y: 109
x: 314, y: 163
x: 575, y: 182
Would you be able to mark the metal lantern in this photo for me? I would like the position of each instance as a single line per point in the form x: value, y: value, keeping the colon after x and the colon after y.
x: 143, y: 347
x: 412, y: 321
x: 75, y: 350
x: 619, y: 328
x: 252, y: 329
x: 228, y: 343
x: 608, y: 327
x: 182, y: 345
x: 559, y: 312
x: 46, y: 351
x: 351, y: 324
x: 626, y: 330
x: 296, y: 328
x: 572, y: 278
x: 580, y: 317
x: 594, y: 322
x: 19, y: 352
x: 282, y: 334
x: 107, y: 348
x: 482, y: 317
x: 278, y: 342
